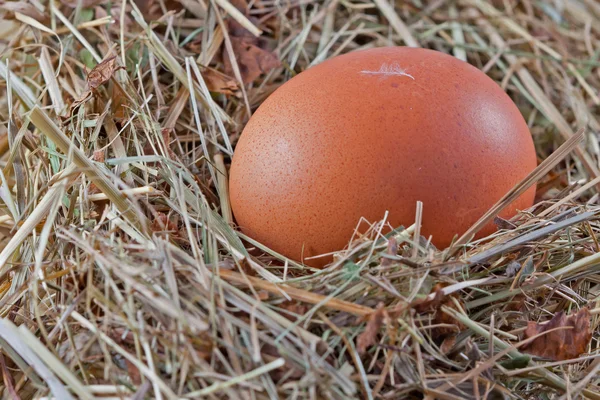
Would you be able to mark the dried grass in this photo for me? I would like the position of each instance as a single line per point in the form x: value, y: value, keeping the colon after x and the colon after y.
x: 122, y: 276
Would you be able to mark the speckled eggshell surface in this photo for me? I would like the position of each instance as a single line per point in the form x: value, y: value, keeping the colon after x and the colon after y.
x: 377, y: 130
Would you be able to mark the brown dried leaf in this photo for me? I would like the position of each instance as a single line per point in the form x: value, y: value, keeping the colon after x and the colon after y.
x: 294, y: 308
x: 502, y: 223
x: 133, y: 372
x: 102, y: 72
x: 219, y: 82
x: 448, y: 344
x: 164, y: 223
x: 86, y: 95
x: 23, y: 8
x: 204, y: 345
x: 516, y: 304
x: 560, y: 344
x: 429, y: 305
x: 392, y: 250
x: 99, y: 156
x: 119, y: 103
x: 99, y: 75
x: 149, y: 147
x: 252, y: 59
x: 252, y: 54
x: 153, y: 9
x: 93, y: 189
x: 375, y: 321
x: 439, y: 317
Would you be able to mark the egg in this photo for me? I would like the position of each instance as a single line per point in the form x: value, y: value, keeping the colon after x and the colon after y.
x: 373, y: 131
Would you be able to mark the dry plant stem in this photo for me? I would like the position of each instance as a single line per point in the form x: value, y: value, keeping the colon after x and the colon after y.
x: 399, y: 26
x: 520, y: 188
x: 33, y: 220
x: 531, y: 236
x: 295, y: 293
x: 238, y: 379
x: 167, y: 58
x: 150, y: 374
x: 233, y: 60
x: 417, y: 234
x: 101, y: 299
x: 511, y: 350
x: 547, y: 107
x: 123, y: 204
x: 239, y: 17
x: 570, y: 197
x: 3, y: 143
x: 562, y: 273
x: 223, y: 183
x: 144, y: 190
x: 355, y: 357
x: 9, y: 332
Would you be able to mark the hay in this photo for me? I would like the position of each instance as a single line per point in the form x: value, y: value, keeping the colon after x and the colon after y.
x: 122, y: 276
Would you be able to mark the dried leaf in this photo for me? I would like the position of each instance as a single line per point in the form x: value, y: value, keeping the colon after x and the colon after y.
x: 448, y: 344
x: 152, y: 9
x: 164, y: 223
x: 149, y: 148
x: 219, y: 82
x: 560, y: 344
x: 294, y: 308
x: 87, y: 95
x: 375, y: 321
x: 516, y: 304
x: 252, y: 53
x: 252, y: 60
x: 204, y: 345
x: 502, y: 223
x: 133, y: 372
x: 99, y: 75
x: 23, y: 8
x: 102, y: 73
x: 118, y: 104
x: 99, y: 156
x: 392, y: 250
x: 439, y: 317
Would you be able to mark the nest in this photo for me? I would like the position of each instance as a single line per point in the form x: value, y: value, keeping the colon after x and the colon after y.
x: 122, y: 274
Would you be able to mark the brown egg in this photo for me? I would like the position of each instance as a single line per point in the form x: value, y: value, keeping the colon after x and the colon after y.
x: 378, y: 130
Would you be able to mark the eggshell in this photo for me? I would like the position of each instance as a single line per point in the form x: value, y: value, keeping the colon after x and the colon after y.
x: 377, y: 130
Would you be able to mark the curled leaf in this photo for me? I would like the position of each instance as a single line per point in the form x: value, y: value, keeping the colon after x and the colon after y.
x: 219, y: 82
x: 560, y: 344
x: 99, y: 75
x: 102, y: 72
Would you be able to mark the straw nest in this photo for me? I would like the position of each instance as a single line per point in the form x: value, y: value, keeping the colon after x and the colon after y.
x: 123, y: 276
